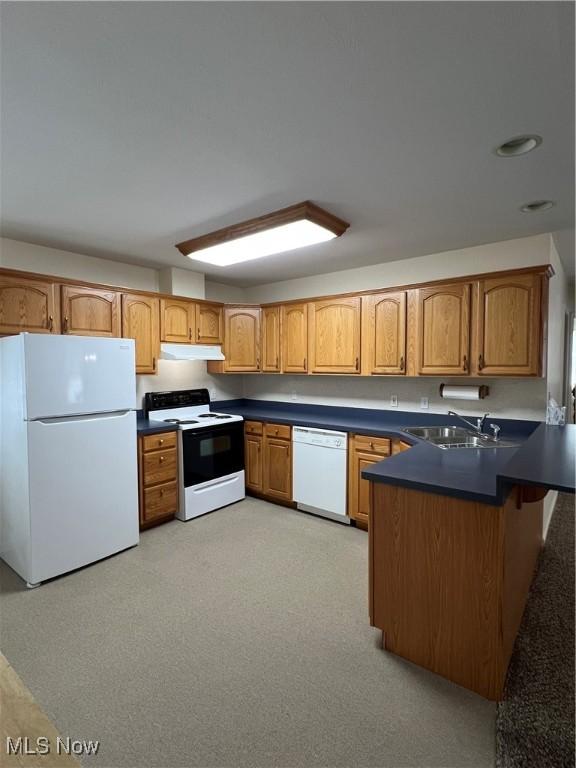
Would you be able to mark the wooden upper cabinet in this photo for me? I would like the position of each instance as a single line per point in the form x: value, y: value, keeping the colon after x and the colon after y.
x: 443, y: 329
x: 177, y: 320
x: 242, y: 339
x: 384, y: 333
x: 334, y: 335
x: 271, y: 339
x: 509, y: 327
x: 209, y: 324
x: 141, y: 321
x: 28, y: 305
x: 90, y: 311
x: 294, y: 338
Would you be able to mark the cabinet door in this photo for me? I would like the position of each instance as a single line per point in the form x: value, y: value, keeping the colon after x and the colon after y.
x: 334, y: 338
x: 141, y: 322
x: 208, y: 324
x: 253, y: 462
x: 443, y: 329
x: 242, y: 338
x: 90, y: 311
x: 509, y: 326
x: 278, y: 468
x: 294, y: 338
x: 177, y: 320
x: 359, y: 489
x: 271, y: 339
x: 27, y: 305
x: 384, y: 333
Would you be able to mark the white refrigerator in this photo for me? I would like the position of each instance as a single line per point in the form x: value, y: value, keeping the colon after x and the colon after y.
x: 68, y: 463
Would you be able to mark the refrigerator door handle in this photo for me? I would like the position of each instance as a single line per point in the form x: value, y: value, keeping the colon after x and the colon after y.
x: 83, y: 417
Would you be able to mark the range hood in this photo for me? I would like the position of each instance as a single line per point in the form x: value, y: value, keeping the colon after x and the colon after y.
x: 190, y: 352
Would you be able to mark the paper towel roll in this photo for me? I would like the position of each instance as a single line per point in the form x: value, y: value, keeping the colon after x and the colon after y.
x: 463, y: 392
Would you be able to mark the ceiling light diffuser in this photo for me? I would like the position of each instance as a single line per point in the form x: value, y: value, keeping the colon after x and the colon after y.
x: 285, y: 230
x: 519, y: 145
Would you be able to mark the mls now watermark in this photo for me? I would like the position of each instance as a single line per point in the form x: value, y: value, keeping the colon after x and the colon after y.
x: 24, y: 745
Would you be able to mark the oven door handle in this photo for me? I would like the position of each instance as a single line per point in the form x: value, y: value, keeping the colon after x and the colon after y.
x: 217, y: 481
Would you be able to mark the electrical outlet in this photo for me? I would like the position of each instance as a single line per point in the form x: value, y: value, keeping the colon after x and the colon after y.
x: 394, y: 401
x: 424, y: 402
x: 294, y: 395
x: 213, y: 394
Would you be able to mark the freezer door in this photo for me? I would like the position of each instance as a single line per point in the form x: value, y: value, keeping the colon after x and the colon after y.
x: 70, y: 375
x: 83, y: 491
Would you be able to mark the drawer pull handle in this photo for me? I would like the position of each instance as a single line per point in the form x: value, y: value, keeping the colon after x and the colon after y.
x: 465, y: 364
x: 357, y: 363
x: 65, y: 325
x: 402, y: 363
x: 304, y: 364
x: 198, y: 336
x: 50, y: 323
x: 480, y: 362
x: 190, y: 333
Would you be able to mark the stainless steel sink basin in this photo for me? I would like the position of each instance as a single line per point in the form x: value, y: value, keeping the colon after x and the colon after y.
x: 432, y: 433
x: 456, y: 437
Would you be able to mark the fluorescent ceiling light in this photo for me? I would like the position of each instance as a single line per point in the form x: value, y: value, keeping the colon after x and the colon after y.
x: 294, y: 227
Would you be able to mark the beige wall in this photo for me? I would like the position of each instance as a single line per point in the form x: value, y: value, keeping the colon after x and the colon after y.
x: 188, y: 374
x: 229, y: 294
x: 560, y: 305
x: 75, y: 266
x: 511, y: 254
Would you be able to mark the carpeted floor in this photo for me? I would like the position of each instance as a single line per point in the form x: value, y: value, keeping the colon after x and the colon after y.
x: 535, y: 723
x: 237, y: 639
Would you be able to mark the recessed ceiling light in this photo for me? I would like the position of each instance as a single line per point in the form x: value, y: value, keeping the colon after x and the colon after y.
x: 519, y: 145
x: 285, y: 230
x: 537, y: 206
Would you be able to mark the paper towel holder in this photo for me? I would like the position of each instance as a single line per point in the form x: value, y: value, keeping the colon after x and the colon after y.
x: 483, y: 389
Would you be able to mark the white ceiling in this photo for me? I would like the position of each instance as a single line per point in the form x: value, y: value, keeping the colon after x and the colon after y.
x: 128, y: 127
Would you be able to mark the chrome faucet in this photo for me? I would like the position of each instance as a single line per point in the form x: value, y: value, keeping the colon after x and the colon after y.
x: 478, y: 427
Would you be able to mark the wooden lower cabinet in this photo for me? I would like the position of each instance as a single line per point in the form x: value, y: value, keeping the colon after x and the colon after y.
x: 363, y: 451
x: 158, y: 477
x: 268, y: 460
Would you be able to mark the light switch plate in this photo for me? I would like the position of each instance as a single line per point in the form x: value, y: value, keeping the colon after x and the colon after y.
x: 294, y: 395
x: 424, y: 402
x: 394, y: 401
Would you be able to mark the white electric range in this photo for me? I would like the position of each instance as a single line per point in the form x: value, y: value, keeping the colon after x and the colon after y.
x: 210, y: 450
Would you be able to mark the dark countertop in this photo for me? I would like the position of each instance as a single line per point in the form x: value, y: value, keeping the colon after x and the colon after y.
x: 548, y: 459
x: 544, y: 456
x: 149, y: 427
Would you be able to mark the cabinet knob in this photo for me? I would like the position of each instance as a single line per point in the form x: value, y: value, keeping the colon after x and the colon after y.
x: 190, y: 333
x: 162, y: 458
x: 402, y: 363
x: 480, y: 362
x: 371, y: 445
x: 465, y: 364
x: 65, y: 325
x: 160, y: 442
x: 161, y: 491
x: 198, y: 334
x: 50, y: 323
x: 357, y: 363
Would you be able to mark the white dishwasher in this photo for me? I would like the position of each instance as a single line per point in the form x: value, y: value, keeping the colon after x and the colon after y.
x: 320, y: 470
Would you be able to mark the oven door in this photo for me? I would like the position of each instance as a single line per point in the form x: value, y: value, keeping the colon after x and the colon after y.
x: 212, y: 452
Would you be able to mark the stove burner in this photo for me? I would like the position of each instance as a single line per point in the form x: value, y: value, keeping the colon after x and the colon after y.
x: 222, y: 416
x: 172, y: 421
x: 181, y: 421
x: 213, y: 416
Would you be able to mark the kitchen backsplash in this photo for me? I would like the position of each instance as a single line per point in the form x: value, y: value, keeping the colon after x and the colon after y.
x: 508, y: 398
x: 188, y: 374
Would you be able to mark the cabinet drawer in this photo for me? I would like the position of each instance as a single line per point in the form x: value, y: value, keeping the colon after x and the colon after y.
x: 281, y: 431
x: 159, y: 441
x: 160, y: 501
x: 374, y: 444
x: 159, y: 467
x: 253, y: 427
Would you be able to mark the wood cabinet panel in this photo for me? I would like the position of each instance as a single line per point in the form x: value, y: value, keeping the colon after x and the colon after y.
x: 177, y: 321
x: 384, y: 333
x: 209, y: 325
x: 242, y: 339
x: 90, y: 311
x: 160, y: 466
x: 160, y: 501
x: 363, y: 452
x: 253, y: 427
x: 294, y: 338
x: 509, y: 336
x: 141, y: 322
x: 334, y: 335
x: 158, y: 477
x: 283, y: 431
x: 443, y: 329
x: 160, y: 441
x: 398, y: 446
x: 278, y: 468
x: 271, y: 339
x: 27, y: 304
x: 253, y: 462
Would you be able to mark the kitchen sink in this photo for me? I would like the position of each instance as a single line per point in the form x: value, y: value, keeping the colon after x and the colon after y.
x: 456, y: 437
x: 433, y: 433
